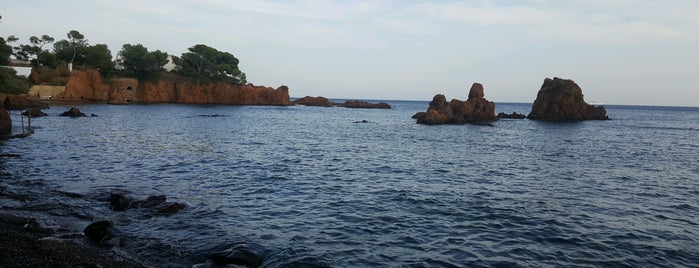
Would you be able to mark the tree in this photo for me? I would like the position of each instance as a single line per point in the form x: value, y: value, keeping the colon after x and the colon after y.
x: 98, y: 56
x: 208, y: 64
x: 5, y: 52
x: 10, y: 83
x: 141, y: 63
x: 76, y: 41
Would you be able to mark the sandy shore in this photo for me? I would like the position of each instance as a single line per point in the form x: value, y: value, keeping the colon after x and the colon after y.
x: 24, y: 243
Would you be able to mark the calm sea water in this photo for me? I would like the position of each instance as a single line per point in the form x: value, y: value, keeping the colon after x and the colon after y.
x: 312, y: 188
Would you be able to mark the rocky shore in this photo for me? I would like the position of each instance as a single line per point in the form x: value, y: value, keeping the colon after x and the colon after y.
x: 25, y: 243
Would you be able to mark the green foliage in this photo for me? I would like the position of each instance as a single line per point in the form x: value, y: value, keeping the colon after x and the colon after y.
x: 205, y: 63
x: 12, y: 84
x: 5, y: 52
x: 98, y: 56
x: 141, y: 63
x: 77, y: 41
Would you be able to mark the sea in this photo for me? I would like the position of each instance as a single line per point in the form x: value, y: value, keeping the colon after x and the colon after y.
x: 337, y: 187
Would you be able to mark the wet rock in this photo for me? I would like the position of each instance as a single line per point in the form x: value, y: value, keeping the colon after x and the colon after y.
x: 170, y: 208
x: 120, y: 202
x: 34, y: 112
x: 151, y: 201
x: 248, y: 255
x: 99, y: 231
x: 73, y: 112
x: 513, y: 115
x: 313, y: 101
x: 562, y: 100
x: 475, y: 110
x: 364, y: 104
x: 362, y: 121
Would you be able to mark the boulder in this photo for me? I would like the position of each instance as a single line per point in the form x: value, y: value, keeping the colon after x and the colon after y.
x: 364, y: 104
x: 34, y: 112
x: 20, y: 102
x: 99, y: 231
x: 475, y: 110
x: 5, y: 122
x: 73, y: 112
x: 562, y: 100
x: 313, y: 101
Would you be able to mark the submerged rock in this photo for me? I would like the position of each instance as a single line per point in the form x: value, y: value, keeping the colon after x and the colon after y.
x: 73, y: 112
x: 475, y: 110
x: 120, y: 202
x: 364, y: 104
x: 562, y: 100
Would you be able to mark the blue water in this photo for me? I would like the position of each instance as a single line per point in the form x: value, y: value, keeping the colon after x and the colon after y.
x: 315, y: 189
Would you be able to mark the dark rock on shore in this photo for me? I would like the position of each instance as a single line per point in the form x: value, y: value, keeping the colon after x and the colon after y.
x: 313, y: 101
x: 20, y: 102
x: 562, y: 100
x: 23, y: 243
x: 99, y: 231
x: 122, y: 202
x: 34, y: 112
x: 73, y: 112
x: 247, y: 255
x: 513, y: 115
x: 364, y: 104
x: 475, y: 110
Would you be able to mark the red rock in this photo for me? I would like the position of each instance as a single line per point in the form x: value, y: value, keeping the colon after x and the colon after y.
x: 475, y: 110
x: 313, y: 101
x: 562, y: 100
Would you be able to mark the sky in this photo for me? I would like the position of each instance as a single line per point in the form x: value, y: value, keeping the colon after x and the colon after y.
x: 643, y: 52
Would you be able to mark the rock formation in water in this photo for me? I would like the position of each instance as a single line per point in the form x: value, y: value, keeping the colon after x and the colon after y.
x: 313, y: 101
x: 34, y: 112
x: 364, y: 104
x: 475, y: 110
x: 73, y: 112
x: 170, y: 88
x: 562, y: 100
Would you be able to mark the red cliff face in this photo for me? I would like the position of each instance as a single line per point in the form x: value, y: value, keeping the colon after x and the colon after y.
x: 211, y: 93
x: 88, y: 84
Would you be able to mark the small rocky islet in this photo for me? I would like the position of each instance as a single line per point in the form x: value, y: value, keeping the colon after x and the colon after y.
x: 558, y: 100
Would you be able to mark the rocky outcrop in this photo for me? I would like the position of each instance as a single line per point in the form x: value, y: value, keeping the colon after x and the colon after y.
x: 34, y: 112
x: 313, y: 101
x: 73, y: 112
x: 475, y: 110
x: 364, y: 104
x: 562, y: 100
x: 21, y: 102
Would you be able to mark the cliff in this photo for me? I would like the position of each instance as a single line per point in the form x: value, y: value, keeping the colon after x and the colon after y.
x: 562, y: 100
x: 88, y: 84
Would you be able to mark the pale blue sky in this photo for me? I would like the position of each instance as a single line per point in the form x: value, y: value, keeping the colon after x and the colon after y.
x: 619, y: 52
